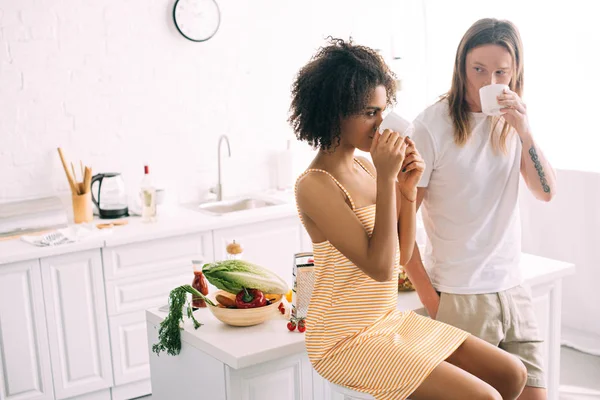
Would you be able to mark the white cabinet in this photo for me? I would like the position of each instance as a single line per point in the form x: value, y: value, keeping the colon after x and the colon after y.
x: 158, y: 255
x: 286, y: 379
x: 129, y: 348
x: 146, y: 291
x: 195, y: 375
x: 139, y: 276
x: 77, y: 323
x: 73, y: 326
x: 271, y: 244
x: 53, y: 329
x: 128, y: 330
x: 25, y: 372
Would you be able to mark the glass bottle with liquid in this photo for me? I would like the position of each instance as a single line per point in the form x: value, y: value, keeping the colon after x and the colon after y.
x: 148, y: 197
x: 200, y: 284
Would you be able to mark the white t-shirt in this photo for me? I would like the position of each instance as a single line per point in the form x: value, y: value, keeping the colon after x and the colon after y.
x: 470, y: 210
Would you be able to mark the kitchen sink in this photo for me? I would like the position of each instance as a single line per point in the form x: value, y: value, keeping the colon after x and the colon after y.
x: 237, y: 205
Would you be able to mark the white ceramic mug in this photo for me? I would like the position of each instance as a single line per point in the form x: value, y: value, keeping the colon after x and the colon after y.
x: 489, y: 98
x: 393, y: 121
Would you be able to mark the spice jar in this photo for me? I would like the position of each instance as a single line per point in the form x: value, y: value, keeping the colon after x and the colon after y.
x: 234, y: 251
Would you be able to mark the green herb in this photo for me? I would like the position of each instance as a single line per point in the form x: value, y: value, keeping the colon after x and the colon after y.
x: 169, y: 335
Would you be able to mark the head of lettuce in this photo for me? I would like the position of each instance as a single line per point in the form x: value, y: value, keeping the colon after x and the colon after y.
x: 235, y: 275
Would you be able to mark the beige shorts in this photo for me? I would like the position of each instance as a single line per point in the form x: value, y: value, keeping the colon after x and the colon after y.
x: 505, y: 319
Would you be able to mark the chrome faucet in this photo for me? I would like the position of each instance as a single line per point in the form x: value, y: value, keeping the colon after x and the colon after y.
x: 218, y: 190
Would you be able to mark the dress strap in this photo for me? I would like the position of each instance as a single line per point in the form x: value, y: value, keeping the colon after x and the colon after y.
x: 363, y: 167
x: 335, y: 180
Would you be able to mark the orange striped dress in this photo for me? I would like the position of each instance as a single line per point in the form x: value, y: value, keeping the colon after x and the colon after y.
x: 355, y: 336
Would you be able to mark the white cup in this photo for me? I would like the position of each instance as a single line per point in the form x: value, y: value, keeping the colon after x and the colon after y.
x: 160, y: 195
x: 393, y: 121
x: 489, y: 101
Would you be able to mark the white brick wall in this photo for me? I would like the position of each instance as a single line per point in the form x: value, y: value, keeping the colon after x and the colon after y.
x: 115, y: 85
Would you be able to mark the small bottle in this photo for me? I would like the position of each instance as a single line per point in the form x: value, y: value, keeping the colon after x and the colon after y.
x: 148, y: 197
x: 200, y: 284
x: 234, y: 251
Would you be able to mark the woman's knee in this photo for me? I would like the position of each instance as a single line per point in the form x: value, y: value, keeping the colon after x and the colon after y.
x: 514, y: 378
x: 522, y: 378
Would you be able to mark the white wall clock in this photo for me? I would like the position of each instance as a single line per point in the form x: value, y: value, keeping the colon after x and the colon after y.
x: 197, y: 20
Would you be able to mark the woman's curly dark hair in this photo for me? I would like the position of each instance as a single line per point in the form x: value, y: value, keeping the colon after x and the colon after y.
x: 335, y: 84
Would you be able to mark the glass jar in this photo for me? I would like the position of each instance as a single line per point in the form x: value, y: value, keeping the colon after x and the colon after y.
x: 200, y: 284
x: 234, y: 251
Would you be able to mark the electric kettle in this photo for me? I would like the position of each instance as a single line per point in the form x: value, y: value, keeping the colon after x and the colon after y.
x: 110, y: 196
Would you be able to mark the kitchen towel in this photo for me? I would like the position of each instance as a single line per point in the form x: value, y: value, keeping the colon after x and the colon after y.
x: 71, y: 234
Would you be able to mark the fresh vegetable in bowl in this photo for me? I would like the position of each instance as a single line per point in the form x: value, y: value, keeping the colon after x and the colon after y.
x: 225, y: 301
x: 235, y: 316
x: 250, y: 298
x: 235, y: 275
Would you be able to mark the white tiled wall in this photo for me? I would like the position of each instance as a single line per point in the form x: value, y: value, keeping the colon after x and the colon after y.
x: 115, y: 85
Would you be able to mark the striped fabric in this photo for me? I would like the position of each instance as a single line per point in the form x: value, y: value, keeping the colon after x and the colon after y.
x: 356, y: 338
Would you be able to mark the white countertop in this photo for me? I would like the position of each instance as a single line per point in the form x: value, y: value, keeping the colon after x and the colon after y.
x: 176, y: 221
x: 183, y: 220
x: 243, y: 347
x: 17, y: 250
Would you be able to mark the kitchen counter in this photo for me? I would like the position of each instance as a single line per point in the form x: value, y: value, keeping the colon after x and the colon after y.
x: 99, y: 289
x: 17, y: 250
x: 257, y: 361
x: 244, y: 347
x: 183, y: 220
x: 176, y: 221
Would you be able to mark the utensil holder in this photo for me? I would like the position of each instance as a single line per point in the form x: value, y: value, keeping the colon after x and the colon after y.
x: 82, y: 208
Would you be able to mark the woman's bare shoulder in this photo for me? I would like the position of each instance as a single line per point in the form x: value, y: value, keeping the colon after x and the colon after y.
x: 315, y: 185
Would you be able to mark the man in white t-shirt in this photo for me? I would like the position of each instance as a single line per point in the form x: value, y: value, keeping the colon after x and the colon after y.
x: 469, y: 275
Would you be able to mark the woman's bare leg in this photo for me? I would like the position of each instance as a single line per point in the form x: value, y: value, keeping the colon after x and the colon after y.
x: 505, y: 372
x: 476, y: 370
x: 449, y: 382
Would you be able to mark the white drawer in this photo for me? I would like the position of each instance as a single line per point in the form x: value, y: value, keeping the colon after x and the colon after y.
x: 129, y: 344
x: 146, y: 291
x: 139, y: 259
